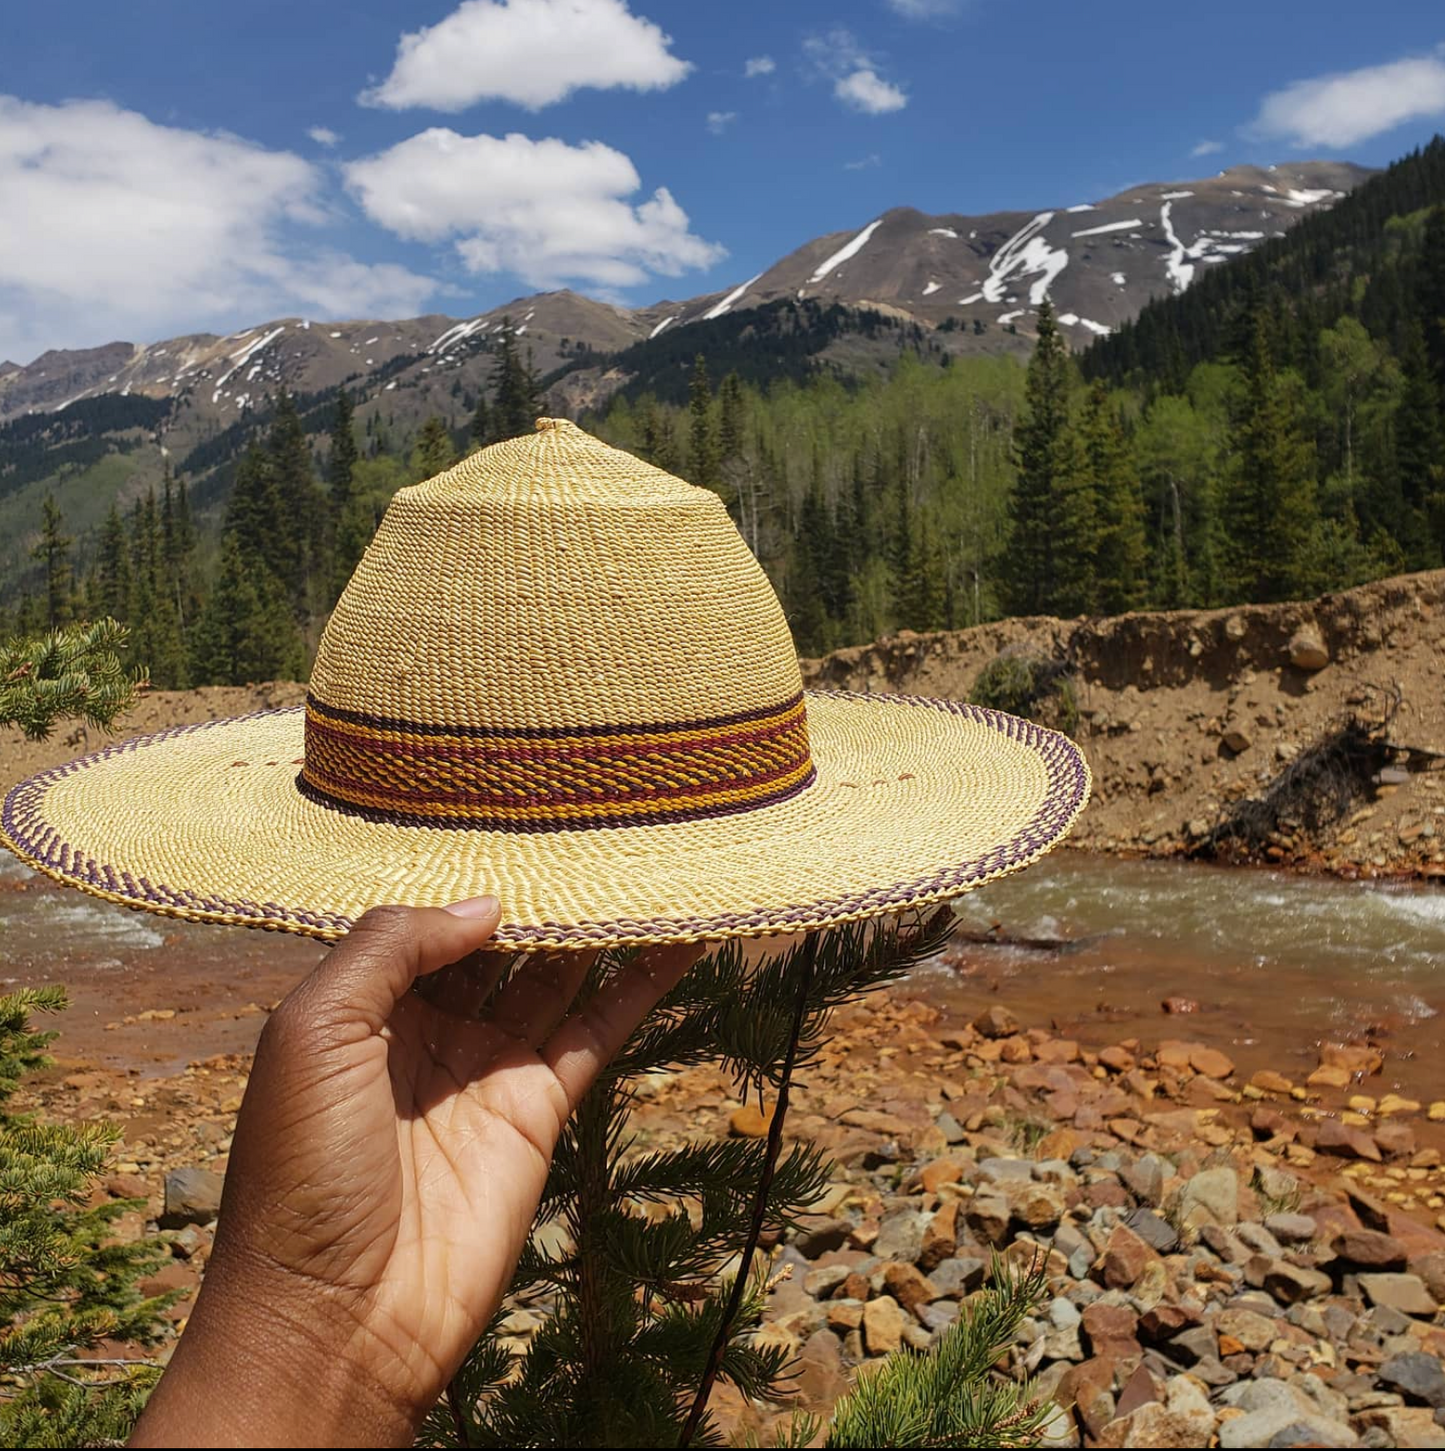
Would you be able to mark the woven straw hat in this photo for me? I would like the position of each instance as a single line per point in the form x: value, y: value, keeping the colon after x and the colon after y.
x: 558, y: 675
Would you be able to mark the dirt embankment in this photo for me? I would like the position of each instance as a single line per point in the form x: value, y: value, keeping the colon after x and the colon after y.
x: 1187, y: 712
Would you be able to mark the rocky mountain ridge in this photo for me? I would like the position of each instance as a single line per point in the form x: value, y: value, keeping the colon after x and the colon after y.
x: 966, y: 279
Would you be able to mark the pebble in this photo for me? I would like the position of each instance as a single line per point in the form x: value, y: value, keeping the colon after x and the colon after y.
x: 192, y: 1196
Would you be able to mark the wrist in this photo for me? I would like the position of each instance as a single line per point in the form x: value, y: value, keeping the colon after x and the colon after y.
x: 264, y: 1362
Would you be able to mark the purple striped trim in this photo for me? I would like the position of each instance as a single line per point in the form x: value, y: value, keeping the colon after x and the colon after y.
x: 599, y: 822
x: 33, y: 839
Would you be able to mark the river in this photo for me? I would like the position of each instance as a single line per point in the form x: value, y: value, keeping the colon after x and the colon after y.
x: 1276, y: 963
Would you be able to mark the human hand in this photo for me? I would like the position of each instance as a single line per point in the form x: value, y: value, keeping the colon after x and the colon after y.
x: 387, y: 1163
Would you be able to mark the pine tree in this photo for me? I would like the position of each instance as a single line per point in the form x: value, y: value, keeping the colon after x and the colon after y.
x: 1269, y: 500
x: 1114, y: 485
x: 53, y: 553
x: 434, y: 452
x: 514, y: 389
x: 112, y: 595
x: 1419, y: 456
x: 1041, y: 451
x: 733, y: 427
x: 247, y: 631
x: 702, y: 442
x: 298, y: 553
x: 480, y: 432
x: 341, y: 466
x: 66, y: 1285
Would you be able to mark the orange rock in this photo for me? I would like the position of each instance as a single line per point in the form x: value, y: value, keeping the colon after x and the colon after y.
x: 1016, y: 1050
x: 1228, y: 1345
x: 940, y: 1237
x: 1271, y: 1082
x: 940, y: 1171
x: 748, y: 1122
x: 1057, y: 1050
x: 1329, y: 1075
x: 1352, y: 1058
x: 1211, y: 1063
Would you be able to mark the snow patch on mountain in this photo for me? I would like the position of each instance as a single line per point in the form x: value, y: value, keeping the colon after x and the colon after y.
x: 1179, y: 272
x: 660, y: 326
x: 849, y: 249
x: 726, y: 304
x: 1109, y: 227
x: 943, y: 232
x: 931, y: 288
x: 1025, y: 254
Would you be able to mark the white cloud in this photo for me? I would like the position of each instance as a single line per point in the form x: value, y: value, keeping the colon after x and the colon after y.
x: 863, y: 162
x: 116, y: 227
x: 1348, y: 107
x: 839, y: 57
x: 760, y: 65
x: 925, y: 9
x: 532, y: 52
x: 719, y: 121
x: 550, y: 212
x: 324, y: 135
x: 1207, y: 148
x: 864, y: 90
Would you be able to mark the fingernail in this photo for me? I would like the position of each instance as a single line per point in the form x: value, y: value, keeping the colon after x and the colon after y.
x: 474, y: 907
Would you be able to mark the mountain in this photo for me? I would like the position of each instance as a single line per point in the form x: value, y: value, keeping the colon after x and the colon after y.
x: 969, y: 276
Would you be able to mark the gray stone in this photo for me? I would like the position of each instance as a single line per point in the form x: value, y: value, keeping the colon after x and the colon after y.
x: 1276, y: 1414
x: 1259, y: 1239
x: 958, y: 1276
x: 1291, y: 1228
x: 1289, y: 1283
x: 1198, y: 1343
x: 1157, y: 1233
x: 1063, y: 1314
x: 1210, y: 1197
x: 1144, y: 1179
x: 820, y: 1283
x: 193, y: 1196
x: 1277, y: 1184
x: 1419, y: 1376
x: 1254, y: 1332
x: 997, y: 1171
x: 950, y: 1128
x: 1063, y: 1345
x: 1080, y: 1261
x: 1213, y: 1372
x: 938, y: 1316
x: 901, y: 1236
x: 1406, y: 1293
x: 819, y: 1237
x: 1224, y: 1244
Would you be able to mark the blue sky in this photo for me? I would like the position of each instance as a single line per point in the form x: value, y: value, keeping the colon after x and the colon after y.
x: 168, y: 166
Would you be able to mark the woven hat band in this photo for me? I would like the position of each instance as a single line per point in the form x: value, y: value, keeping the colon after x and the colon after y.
x: 540, y: 779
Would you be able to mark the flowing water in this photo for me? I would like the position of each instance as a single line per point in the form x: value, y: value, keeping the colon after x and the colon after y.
x: 1276, y: 963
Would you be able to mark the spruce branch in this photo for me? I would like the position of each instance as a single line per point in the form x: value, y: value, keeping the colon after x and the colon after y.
x: 808, y: 955
x: 71, y: 672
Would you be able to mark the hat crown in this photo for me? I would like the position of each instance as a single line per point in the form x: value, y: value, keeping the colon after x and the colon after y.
x: 554, y: 634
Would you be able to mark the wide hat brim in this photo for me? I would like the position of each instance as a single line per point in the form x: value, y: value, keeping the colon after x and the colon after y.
x: 915, y: 801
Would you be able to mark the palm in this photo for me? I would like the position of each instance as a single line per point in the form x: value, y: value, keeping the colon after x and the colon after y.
x: 465, y: 1119
x: 392, y: 1152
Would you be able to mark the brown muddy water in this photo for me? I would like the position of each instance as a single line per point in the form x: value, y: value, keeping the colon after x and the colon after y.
x: 1276, y: 964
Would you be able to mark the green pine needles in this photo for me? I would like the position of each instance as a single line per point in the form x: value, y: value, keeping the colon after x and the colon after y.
x: 74, y: 671
x: 65, y: 1284
x: 644, y: 1264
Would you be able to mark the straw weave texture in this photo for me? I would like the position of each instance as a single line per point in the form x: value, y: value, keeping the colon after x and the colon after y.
x: 558, y: 675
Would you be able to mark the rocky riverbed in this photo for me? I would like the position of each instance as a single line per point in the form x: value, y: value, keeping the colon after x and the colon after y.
x: 1254, y: 1261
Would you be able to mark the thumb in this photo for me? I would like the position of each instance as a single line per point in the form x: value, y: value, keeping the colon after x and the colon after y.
x: 369, y: 971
